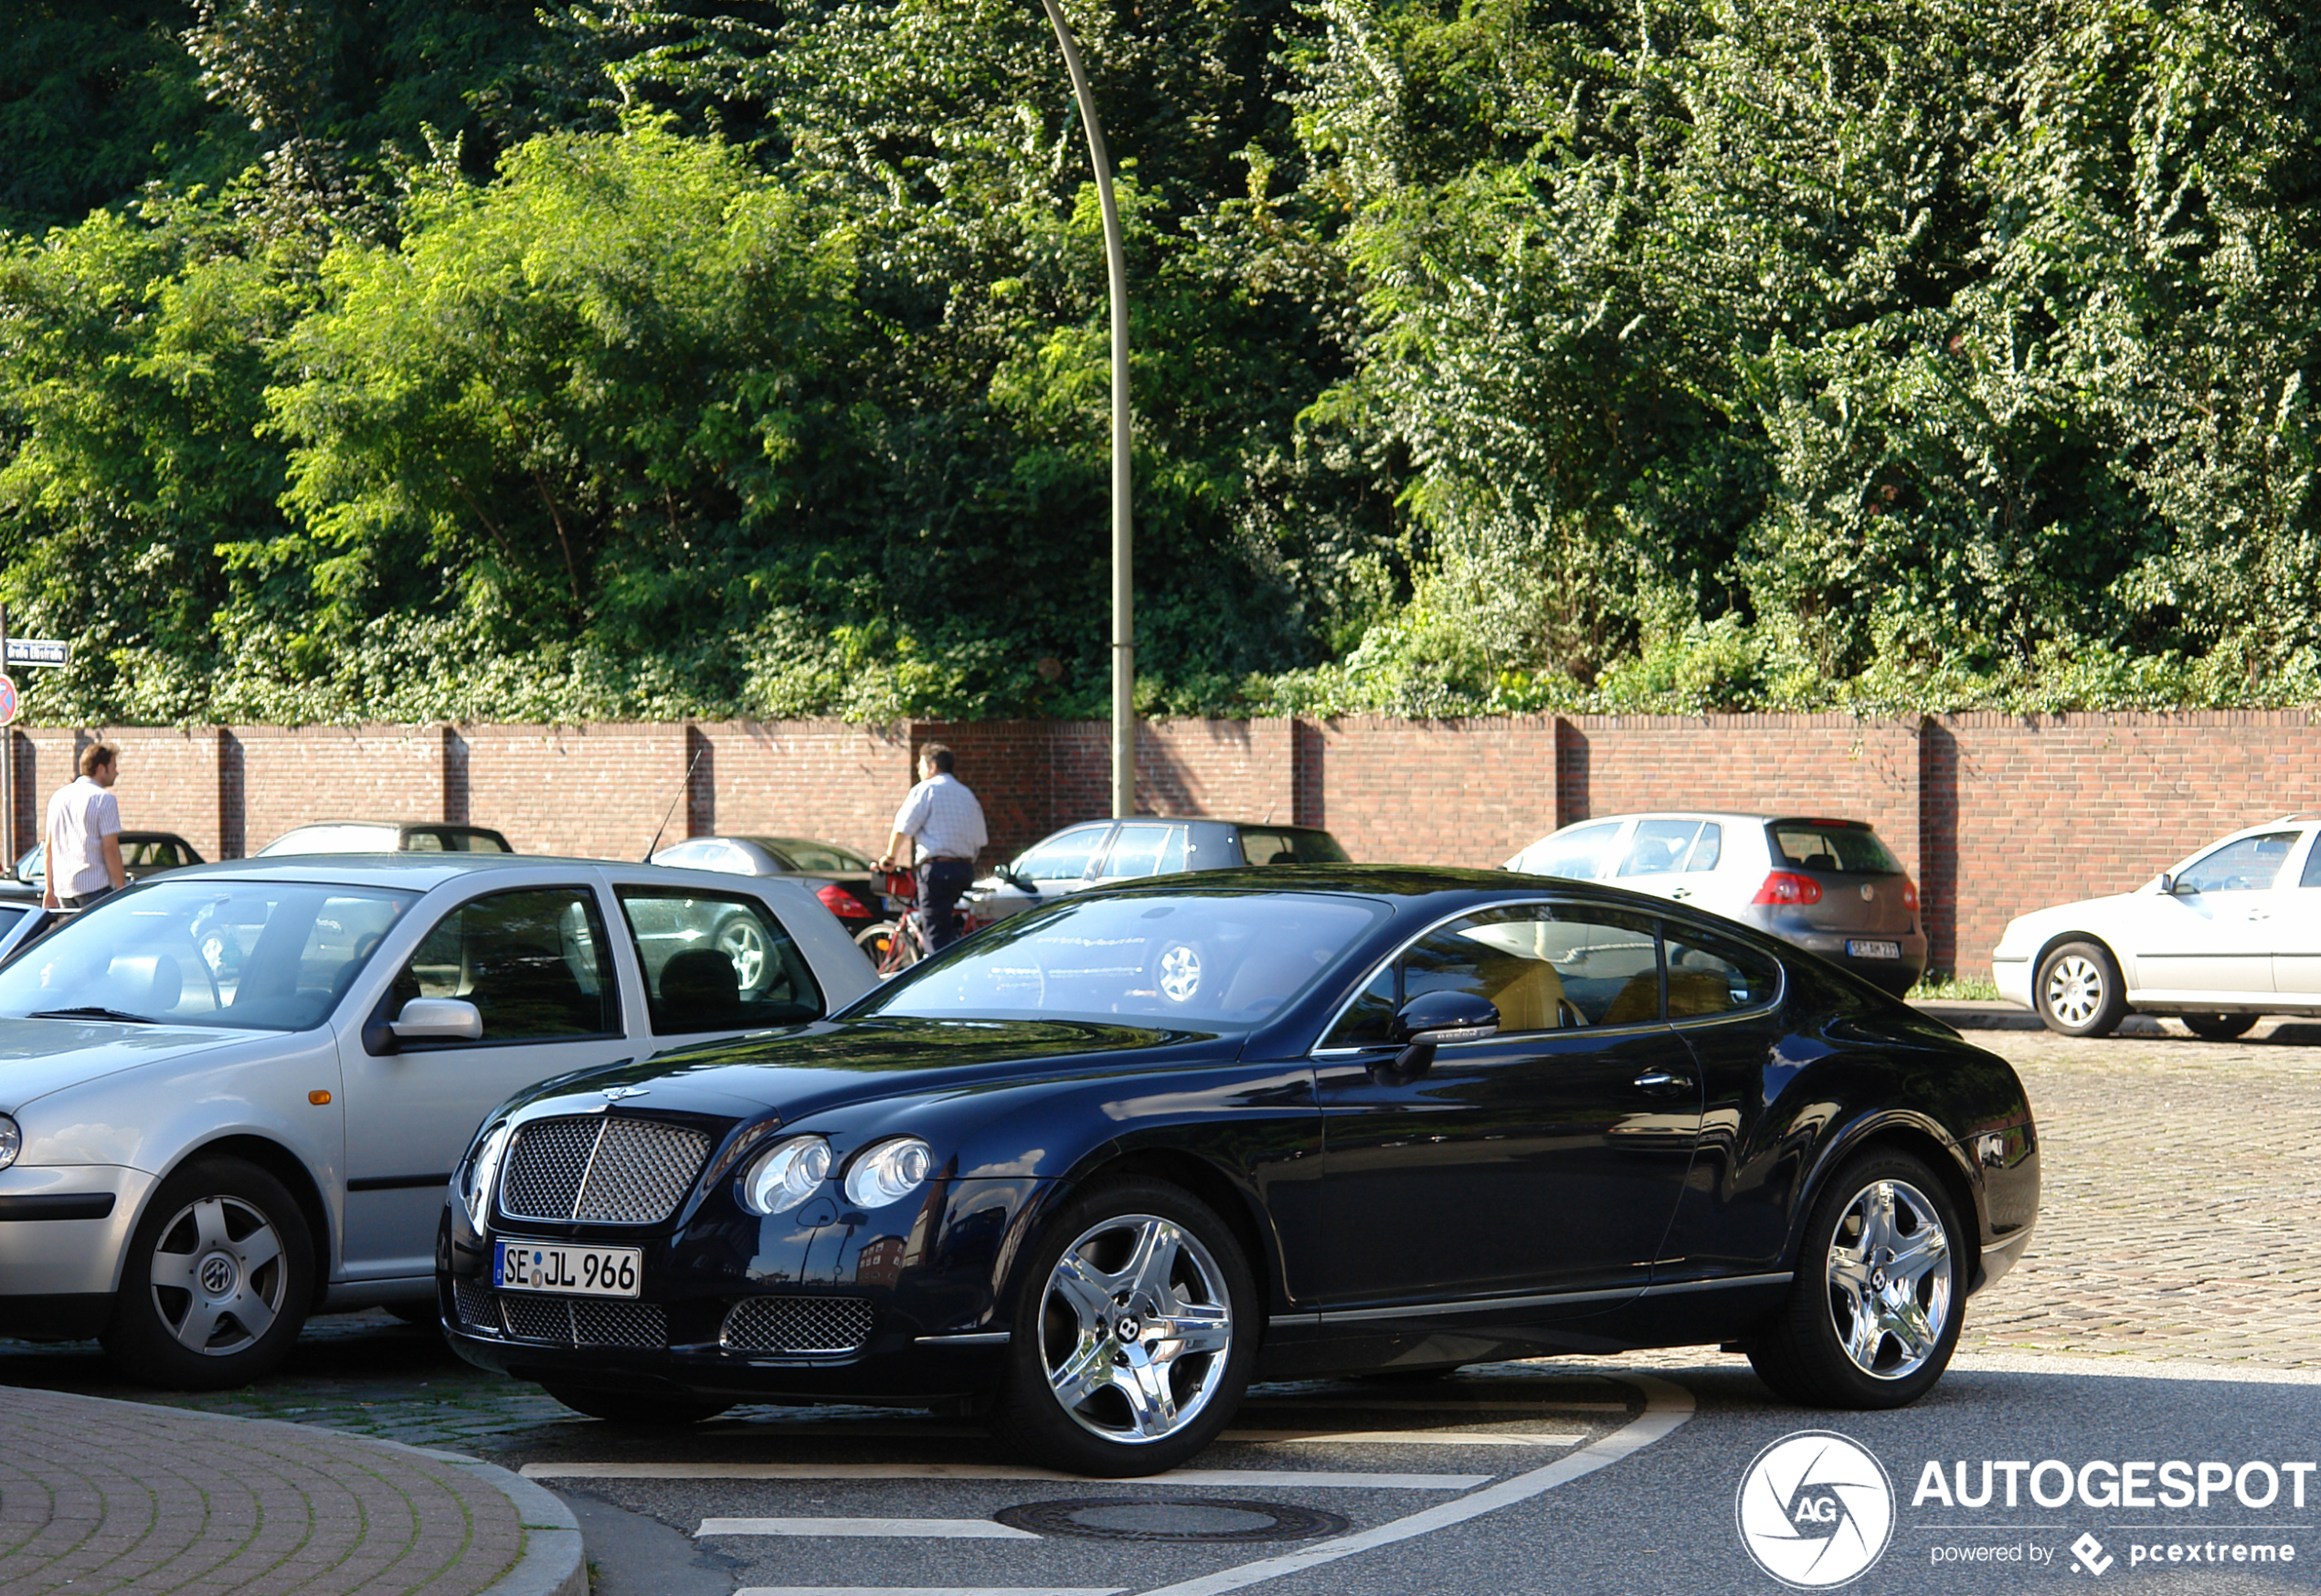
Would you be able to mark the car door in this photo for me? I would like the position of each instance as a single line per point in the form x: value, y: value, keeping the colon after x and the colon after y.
x: 537, y: 965
x: 1660, y: 856
x: 1140, y: 849
x: 2211, y: 938
x: 2297, y: 928
x: 1546, y: 1159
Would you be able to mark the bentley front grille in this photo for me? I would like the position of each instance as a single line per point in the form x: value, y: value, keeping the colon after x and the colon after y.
x: 798, y: 1324
x: 600, y: 1170
x: 472, y: 1298
x: 580, y: 1322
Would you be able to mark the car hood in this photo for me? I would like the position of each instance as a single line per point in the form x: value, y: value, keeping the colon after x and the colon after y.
x: 834, y: 1062
x: 2087, y: 914
x: 41, y: 1056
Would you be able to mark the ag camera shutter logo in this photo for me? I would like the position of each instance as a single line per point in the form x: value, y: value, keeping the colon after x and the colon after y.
x: 1814, y: 1510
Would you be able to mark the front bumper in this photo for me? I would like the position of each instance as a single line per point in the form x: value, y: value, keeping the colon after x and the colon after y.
x: 64, y: 1232
x: 823, y: 1303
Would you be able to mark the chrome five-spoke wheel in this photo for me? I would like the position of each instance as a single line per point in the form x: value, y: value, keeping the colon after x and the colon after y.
x: 1131, y: 1335
x: 744, y: 943
x: 1134, y: 1330
x: 1890, y: 1280
x: 217, y: 1276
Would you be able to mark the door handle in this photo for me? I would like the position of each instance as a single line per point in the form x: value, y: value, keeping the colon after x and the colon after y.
x: 2260, y: 914
x: 1681, y: 893
x: 1663, y: 1082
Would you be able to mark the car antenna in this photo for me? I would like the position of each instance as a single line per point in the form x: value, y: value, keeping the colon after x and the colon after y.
x: 683, y: 788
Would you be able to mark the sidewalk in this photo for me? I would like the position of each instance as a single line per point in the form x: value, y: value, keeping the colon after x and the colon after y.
x: 98, y: 1495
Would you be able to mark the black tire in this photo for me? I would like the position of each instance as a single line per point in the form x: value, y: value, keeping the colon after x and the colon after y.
x: 1810, y: 1351
x: 2218, y: 1026
x: 659, y: 1409
x: 219, y: 1277
x: 1073, y: 1317
x: 2079, y: 992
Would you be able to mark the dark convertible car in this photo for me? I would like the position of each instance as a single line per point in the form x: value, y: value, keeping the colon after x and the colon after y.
x: 1096, y: 1167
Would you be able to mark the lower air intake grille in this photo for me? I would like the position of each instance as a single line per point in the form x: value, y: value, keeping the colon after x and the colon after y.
x: 473, y: 1300
x: 569, y: 1322
x: 600, y: 1170
x: 798, y: 1324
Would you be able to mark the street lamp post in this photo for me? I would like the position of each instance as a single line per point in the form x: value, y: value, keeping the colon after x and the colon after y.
x: 1124, y: 652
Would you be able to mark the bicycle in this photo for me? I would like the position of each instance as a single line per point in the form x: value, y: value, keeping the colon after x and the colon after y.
x: 901, y: 944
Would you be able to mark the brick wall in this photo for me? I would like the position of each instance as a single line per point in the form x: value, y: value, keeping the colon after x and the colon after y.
x: 1432, y: 792
x: 596, y: 791
x: 1994, y: 814
x: 2027, y: 811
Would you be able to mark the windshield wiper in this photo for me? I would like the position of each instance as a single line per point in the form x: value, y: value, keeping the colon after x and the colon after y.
x: 92, y: 1012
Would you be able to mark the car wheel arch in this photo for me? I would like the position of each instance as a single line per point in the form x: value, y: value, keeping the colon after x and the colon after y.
x: 284, y: 1166
x: 1922, y: 1139
x: 2048, y: 945
x: 1188, y: 1172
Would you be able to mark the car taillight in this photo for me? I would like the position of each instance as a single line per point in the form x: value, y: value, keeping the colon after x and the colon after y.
x: 1910, y: 894
x: 1786, y: 886
x: 842, y: 903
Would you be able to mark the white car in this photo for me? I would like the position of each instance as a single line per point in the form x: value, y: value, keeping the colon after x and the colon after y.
x: 1825, y: 885
x: 236, y: 1094
x: 2229, y: 935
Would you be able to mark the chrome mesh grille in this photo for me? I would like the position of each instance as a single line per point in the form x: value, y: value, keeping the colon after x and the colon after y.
x: 798, y: 1324
x: 570, y: 1322
x: 595, y: 1169
x: 546, y: 1165
x: 473, y: 1299
x: 642, y: 1173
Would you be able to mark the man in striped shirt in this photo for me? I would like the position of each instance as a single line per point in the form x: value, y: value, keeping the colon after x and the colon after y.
x: 943, y: 822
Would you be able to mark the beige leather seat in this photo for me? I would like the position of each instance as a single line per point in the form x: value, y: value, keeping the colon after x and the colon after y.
x: 1528, y: 992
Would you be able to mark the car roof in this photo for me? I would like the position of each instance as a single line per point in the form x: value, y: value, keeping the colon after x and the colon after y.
x: 421, y: 872
x: 1411, y: 881
x: 1731, y: 817
x: 393, y: 825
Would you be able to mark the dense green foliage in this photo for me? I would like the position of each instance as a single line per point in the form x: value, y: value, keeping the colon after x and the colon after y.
x: 411, y: 359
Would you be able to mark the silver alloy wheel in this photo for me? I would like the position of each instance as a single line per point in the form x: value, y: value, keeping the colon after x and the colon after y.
x: 1890, y: 1279
x: 217, y: 1276
x: 1180, y: 972
x: 2074, y: 991
x: 744, y: 945
x: 1136, y: 1330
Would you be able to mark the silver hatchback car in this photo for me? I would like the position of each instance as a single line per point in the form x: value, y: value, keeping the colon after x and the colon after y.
x: 235, y: 1096
x: 1826, y: 885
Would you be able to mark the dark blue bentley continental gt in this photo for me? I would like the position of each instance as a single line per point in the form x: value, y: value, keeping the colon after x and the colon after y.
x: 1093, y: 1169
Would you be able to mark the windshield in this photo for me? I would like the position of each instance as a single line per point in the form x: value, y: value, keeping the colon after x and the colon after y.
x: 270, y: 956
x: 1214, y: 961
x: 334, y: 840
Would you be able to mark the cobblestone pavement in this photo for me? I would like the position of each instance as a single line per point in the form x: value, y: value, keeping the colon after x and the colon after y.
x: 2180, y: 1204
x: 182, y: 1502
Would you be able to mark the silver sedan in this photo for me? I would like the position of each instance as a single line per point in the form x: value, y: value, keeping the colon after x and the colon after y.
x: 236, y: 1094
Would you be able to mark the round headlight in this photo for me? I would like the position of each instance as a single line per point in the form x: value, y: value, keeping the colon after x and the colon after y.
x: 482, y: 1173
x: 11, y: 1141
x: 785, y: 1175
x: 887, y: 1171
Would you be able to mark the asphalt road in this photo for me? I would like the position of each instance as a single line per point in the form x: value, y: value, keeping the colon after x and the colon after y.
x: 2169, y: 1312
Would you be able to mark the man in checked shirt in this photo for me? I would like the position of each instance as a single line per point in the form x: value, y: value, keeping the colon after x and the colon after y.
x: 942, y: 821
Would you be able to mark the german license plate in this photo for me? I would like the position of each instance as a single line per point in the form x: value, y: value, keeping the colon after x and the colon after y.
x: 567, y: 1270
x: 1858, y: 949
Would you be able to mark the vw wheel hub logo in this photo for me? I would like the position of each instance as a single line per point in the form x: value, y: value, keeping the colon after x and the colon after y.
x: 1814, y: 1510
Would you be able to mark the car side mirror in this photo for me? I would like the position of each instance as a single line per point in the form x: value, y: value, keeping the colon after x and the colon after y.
x: 438, y: 1020
x: 1431, y: 1018
x: 2166, y: 885
x: 1017, y: 881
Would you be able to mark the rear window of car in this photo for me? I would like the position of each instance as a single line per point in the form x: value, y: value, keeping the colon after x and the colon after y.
x: 1827, y: 846
x: 1264, y: 845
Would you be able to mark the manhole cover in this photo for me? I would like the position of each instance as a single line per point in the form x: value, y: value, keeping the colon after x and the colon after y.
x: 1171, y: 1518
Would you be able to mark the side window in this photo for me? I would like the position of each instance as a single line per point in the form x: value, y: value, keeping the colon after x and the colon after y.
x: 1577, y: 855
x: 1708, y: 975
x: 2312, y: 876
x: 1709, y: 848
x: 422, y: 842
x: 2248, y: 865
x: 1063, y: 857
x: 1659, y: 847
x: 1142, y: 850
x: 1543, y: 966
x: 533, y: 963
x: 716, y: 962
x: 693, y: 855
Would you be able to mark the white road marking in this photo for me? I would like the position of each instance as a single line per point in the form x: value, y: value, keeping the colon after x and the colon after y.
x: 1276, y: 1478
x: 1665, y: 1407
x: 919, y: 1529
x: 932, y: 1591
x: 1397, y: 1438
